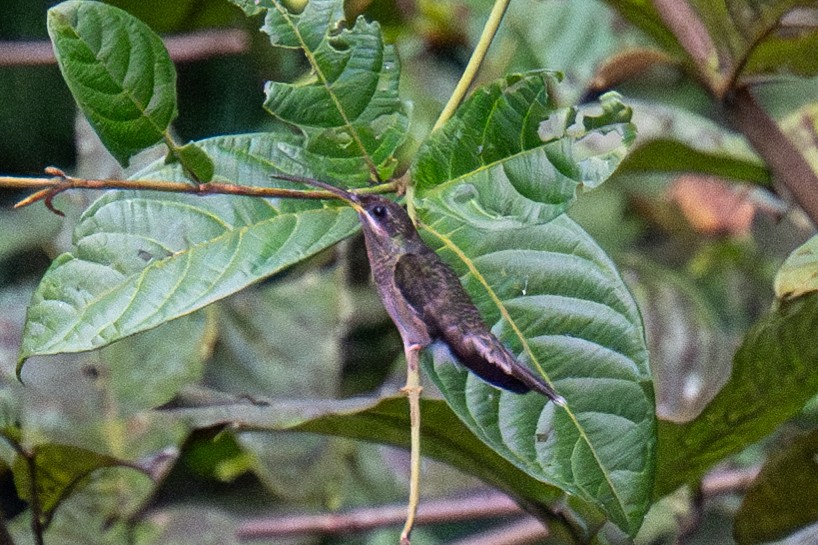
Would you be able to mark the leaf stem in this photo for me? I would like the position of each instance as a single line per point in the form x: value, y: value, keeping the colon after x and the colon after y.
x: 477, y: 56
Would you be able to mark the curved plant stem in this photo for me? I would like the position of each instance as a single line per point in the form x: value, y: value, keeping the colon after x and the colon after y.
x: 477, y: 56
x: 413, y: 390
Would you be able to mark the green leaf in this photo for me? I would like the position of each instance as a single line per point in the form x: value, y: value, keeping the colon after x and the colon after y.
x: 491, y: 185
x: 552, y: 295
x: 387, y: 421
x: 57, y: 470
x: 798, y: 274
x: 102, y: 510
x: 510, y: 153
x: 349, y: 105
x: 197, y: 164
x: 788, y: 51
x: 118, y: 71
x: 784, y: 496
x: 283, y: 339
x: 144, y: 258
x: 148, y: 369
x: 741, y: 27
x: 675, y: 140
x: 772, y: 379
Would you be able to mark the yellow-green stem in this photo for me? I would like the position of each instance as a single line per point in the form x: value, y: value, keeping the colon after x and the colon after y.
x: 413, y: 390
x: 477, y: 56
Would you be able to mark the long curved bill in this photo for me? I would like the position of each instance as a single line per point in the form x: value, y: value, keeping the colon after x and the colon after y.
x: 342, y: 194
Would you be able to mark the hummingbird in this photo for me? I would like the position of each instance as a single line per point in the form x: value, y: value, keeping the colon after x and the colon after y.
x: 424, y: 298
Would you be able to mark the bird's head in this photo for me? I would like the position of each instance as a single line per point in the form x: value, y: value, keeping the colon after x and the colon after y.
x: 380, y: 218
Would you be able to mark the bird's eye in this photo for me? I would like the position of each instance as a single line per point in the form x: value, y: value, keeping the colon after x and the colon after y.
x: 379, y: 211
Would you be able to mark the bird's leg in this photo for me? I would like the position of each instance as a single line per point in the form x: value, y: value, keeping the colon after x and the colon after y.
x: 413, y: 390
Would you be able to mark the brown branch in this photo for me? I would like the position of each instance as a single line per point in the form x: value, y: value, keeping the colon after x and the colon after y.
x: 728, y: 481
x: 785, y: 160
x: 486, y: 505
x: 519, y: 532
x: 694, y: 37
x: 58, y: 182
x: 483, y: 505
x: 193, y: 46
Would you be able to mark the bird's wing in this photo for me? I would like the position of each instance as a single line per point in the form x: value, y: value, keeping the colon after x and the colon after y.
x: 419, y: 281
x: 454, y: 318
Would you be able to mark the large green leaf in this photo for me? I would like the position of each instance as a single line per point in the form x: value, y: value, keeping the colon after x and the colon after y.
x: 122, y: 78
x: 554, y: 297
x: 510, y: 151
x: 784, y: 497
x: 387, y: 421
x: 143, y: 258
x: 773, y: 377
x: 349, y: 105
x: 493, y: 182
x: 118, y: 71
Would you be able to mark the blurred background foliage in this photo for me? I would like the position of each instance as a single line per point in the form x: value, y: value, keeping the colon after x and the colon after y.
x: 698, y: 249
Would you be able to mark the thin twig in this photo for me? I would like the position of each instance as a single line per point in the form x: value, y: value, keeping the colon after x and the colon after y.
x: 519, y: 532
x: 484, y: 505
x: 59, y: 182
x: 193, y: 46
x: 477, y: 56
